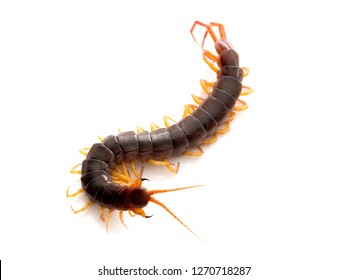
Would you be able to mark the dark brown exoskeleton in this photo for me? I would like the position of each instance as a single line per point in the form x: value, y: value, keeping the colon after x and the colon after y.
x: 199, y: 123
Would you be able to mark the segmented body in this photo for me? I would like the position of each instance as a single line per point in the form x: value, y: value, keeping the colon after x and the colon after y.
x: 161, y: 143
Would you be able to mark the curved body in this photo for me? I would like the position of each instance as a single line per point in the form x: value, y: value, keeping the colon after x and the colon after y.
x: 164, y: 142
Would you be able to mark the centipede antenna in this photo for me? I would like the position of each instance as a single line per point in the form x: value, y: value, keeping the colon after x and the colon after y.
x: 152, y: 199
x: 172, y: 190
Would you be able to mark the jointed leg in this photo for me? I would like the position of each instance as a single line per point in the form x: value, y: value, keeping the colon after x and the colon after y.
x: 210, y: 140
x: 166, y: 121
x: 133, y: 169
x: 154, y: 126
x: 241, y: 106
x: 121, y: 218
x: 74, y: 171
x: 84, y: 151
x: 102, y: 213
x: 225, y: 129
x: 166, y: 163
x: 197, y: 99
x: 73, y: 194
x: 206, y: 86
x: 246, y: 90
x: 209, y: 30
x: 208, y: 57
x: 85, y: 207
x: 109, y: 214
x: 188, y: 110
x: 194, y: 153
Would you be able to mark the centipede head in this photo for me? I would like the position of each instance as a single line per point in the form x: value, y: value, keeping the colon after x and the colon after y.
x: 138, y: 197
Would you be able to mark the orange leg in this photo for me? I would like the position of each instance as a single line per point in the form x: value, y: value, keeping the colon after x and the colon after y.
x: 109, y: 214
x: 197, y: 153
x: 210, y: 140
x: 102, y: 213
x: 245, y: 71
x: 210, y: 59
x: 85, y: 207
x: 166, y: 163
x: 167, y: 119
x: 189, y: 109
x: 73, y: 194
x: 231, y: 117
x: 121, y: 219
x: 197, y: 99
x: 225, y: 129
x: 209, y: 30
x: 246, y: 90
x: 240, y: 105
x: 133, y: 169
x: 74, y: 171
x: 206, y: 86
x: 84, y: 151
x: 154, y: 126
x: 131, y: 213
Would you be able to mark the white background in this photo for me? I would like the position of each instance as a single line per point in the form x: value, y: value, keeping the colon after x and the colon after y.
x: 275, y: 185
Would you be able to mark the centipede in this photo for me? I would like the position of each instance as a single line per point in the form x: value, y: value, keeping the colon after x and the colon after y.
x: 105, y: 178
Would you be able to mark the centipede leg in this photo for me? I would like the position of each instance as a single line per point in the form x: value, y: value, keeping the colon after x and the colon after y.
x: 208, y: 57
x: 102, y: 214
x: 231, y: 117
x: 121, y: 218
x: 74, y: 171
x: 84, y: 151
x: 133, y: 169
x: 243, y: 105
x: 209, y: 30
x: 197, y: 99
x: 188, y: 110
x: 140, y: 129
x: 225, y: 129
x: 206, y: 85
x: 131, y: 214
x: 166, y: 121
x: 79, y: 191
x: 246, y: 90
x: 85, y: 207
x: 125, y: 170
x: 245, y: 71
x: 197, y: 153
x: 210, y: 140
x: 166, y: 163
x: 154, y: 126
x: 109, y: 214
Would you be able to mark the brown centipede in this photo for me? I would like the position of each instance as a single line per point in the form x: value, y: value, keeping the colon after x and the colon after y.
x: 100, y: 174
